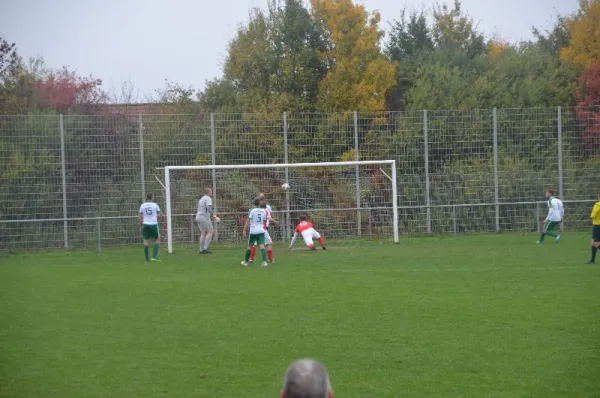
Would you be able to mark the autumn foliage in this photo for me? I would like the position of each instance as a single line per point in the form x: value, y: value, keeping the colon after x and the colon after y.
x: 495, y: 48
x: 359, y: 76
x: 65, y: 91
x: 588, y: 114
x: 584, y: 29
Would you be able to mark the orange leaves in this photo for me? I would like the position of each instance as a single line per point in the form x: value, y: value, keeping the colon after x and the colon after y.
x: 584, y: 29
x: 359, y: 75
x: 495, y: 48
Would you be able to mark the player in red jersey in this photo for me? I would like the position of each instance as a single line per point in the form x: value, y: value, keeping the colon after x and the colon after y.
x: 305, y: 228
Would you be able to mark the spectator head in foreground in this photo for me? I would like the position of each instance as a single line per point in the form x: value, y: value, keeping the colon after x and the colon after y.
x: 306, y: 378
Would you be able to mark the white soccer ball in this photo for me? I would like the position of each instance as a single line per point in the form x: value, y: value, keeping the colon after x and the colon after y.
x: 286, y: 186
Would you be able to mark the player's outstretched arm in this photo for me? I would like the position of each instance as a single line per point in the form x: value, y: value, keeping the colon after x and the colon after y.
x: 293, y: 240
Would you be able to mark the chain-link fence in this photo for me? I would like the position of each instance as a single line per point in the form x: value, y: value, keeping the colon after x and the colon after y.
x: 77, y: 181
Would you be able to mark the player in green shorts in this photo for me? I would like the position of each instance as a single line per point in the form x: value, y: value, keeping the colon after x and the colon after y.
x: 148, y: 219
x: 556, y: 213
x: 256, y: 226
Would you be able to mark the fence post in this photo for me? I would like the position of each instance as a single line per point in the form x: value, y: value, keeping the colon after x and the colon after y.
x: 537, y: 217
x: 357, y: 170
x: 287, y: 180
x: 213, y: 154
x: 99, y: 231
x: 560, y: 159
x: 142, y: 166
x: 426, y: 160
x: 454, y: 221
x: 63, y: 168
x: 192, y: 230
x: 370, y: 225
x: 496, y: 190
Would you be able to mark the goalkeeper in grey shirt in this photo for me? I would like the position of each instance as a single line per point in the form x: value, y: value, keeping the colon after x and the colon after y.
x: 203, y: 218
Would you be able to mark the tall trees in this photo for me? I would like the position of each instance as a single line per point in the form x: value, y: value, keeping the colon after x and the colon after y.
x: 328, y: 58
x: 218, y: 94
x: 454, y: 29
x: 584, y: 30
x: 8, y: 57
x: 583, y: 52
x: 525, y: 76
x: 249, y: 63
x: 31, y: 86
x: 358, y: 76
x: 409, y: 39
x: 292, y: 58
x: 409, y: 35
x: 273, y: 63
x: 589, y: 114
x: 65, y: 91
x: 555, y: 39
x: 298, y: 43
x: 15, y: 85
x: 435, y: 62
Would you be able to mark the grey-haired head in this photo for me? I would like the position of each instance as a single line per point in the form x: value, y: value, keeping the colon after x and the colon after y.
x: 306, y: 378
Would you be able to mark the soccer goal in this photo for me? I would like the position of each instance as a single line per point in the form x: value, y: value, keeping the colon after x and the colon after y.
x: 345, y: 200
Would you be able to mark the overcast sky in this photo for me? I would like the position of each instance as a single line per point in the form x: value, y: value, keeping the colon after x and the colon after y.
x: 185, y: 41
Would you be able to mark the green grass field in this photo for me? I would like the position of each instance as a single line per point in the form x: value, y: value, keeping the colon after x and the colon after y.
x: 483, y: 315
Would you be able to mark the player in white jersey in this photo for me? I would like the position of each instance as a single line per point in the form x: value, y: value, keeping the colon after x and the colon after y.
x: 255, y: 225
x: 148, y: 220
x: 203, y: 219
x: 556, y: 213
x: 268, y: 240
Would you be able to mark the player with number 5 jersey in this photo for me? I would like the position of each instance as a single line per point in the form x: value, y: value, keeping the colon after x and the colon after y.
x: 255, y: 225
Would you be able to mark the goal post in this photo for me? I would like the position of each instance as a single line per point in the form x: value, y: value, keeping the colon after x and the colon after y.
x: 331, y: 174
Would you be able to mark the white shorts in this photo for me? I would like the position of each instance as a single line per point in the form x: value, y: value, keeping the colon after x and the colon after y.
x: 204, y: 224
x: 310, y: 234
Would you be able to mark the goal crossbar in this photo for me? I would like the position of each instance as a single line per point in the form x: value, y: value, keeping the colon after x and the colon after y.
x: 279, y: 165
x: 168, y: 169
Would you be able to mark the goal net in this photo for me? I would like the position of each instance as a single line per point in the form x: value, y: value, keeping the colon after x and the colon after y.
x: 344, y: 200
